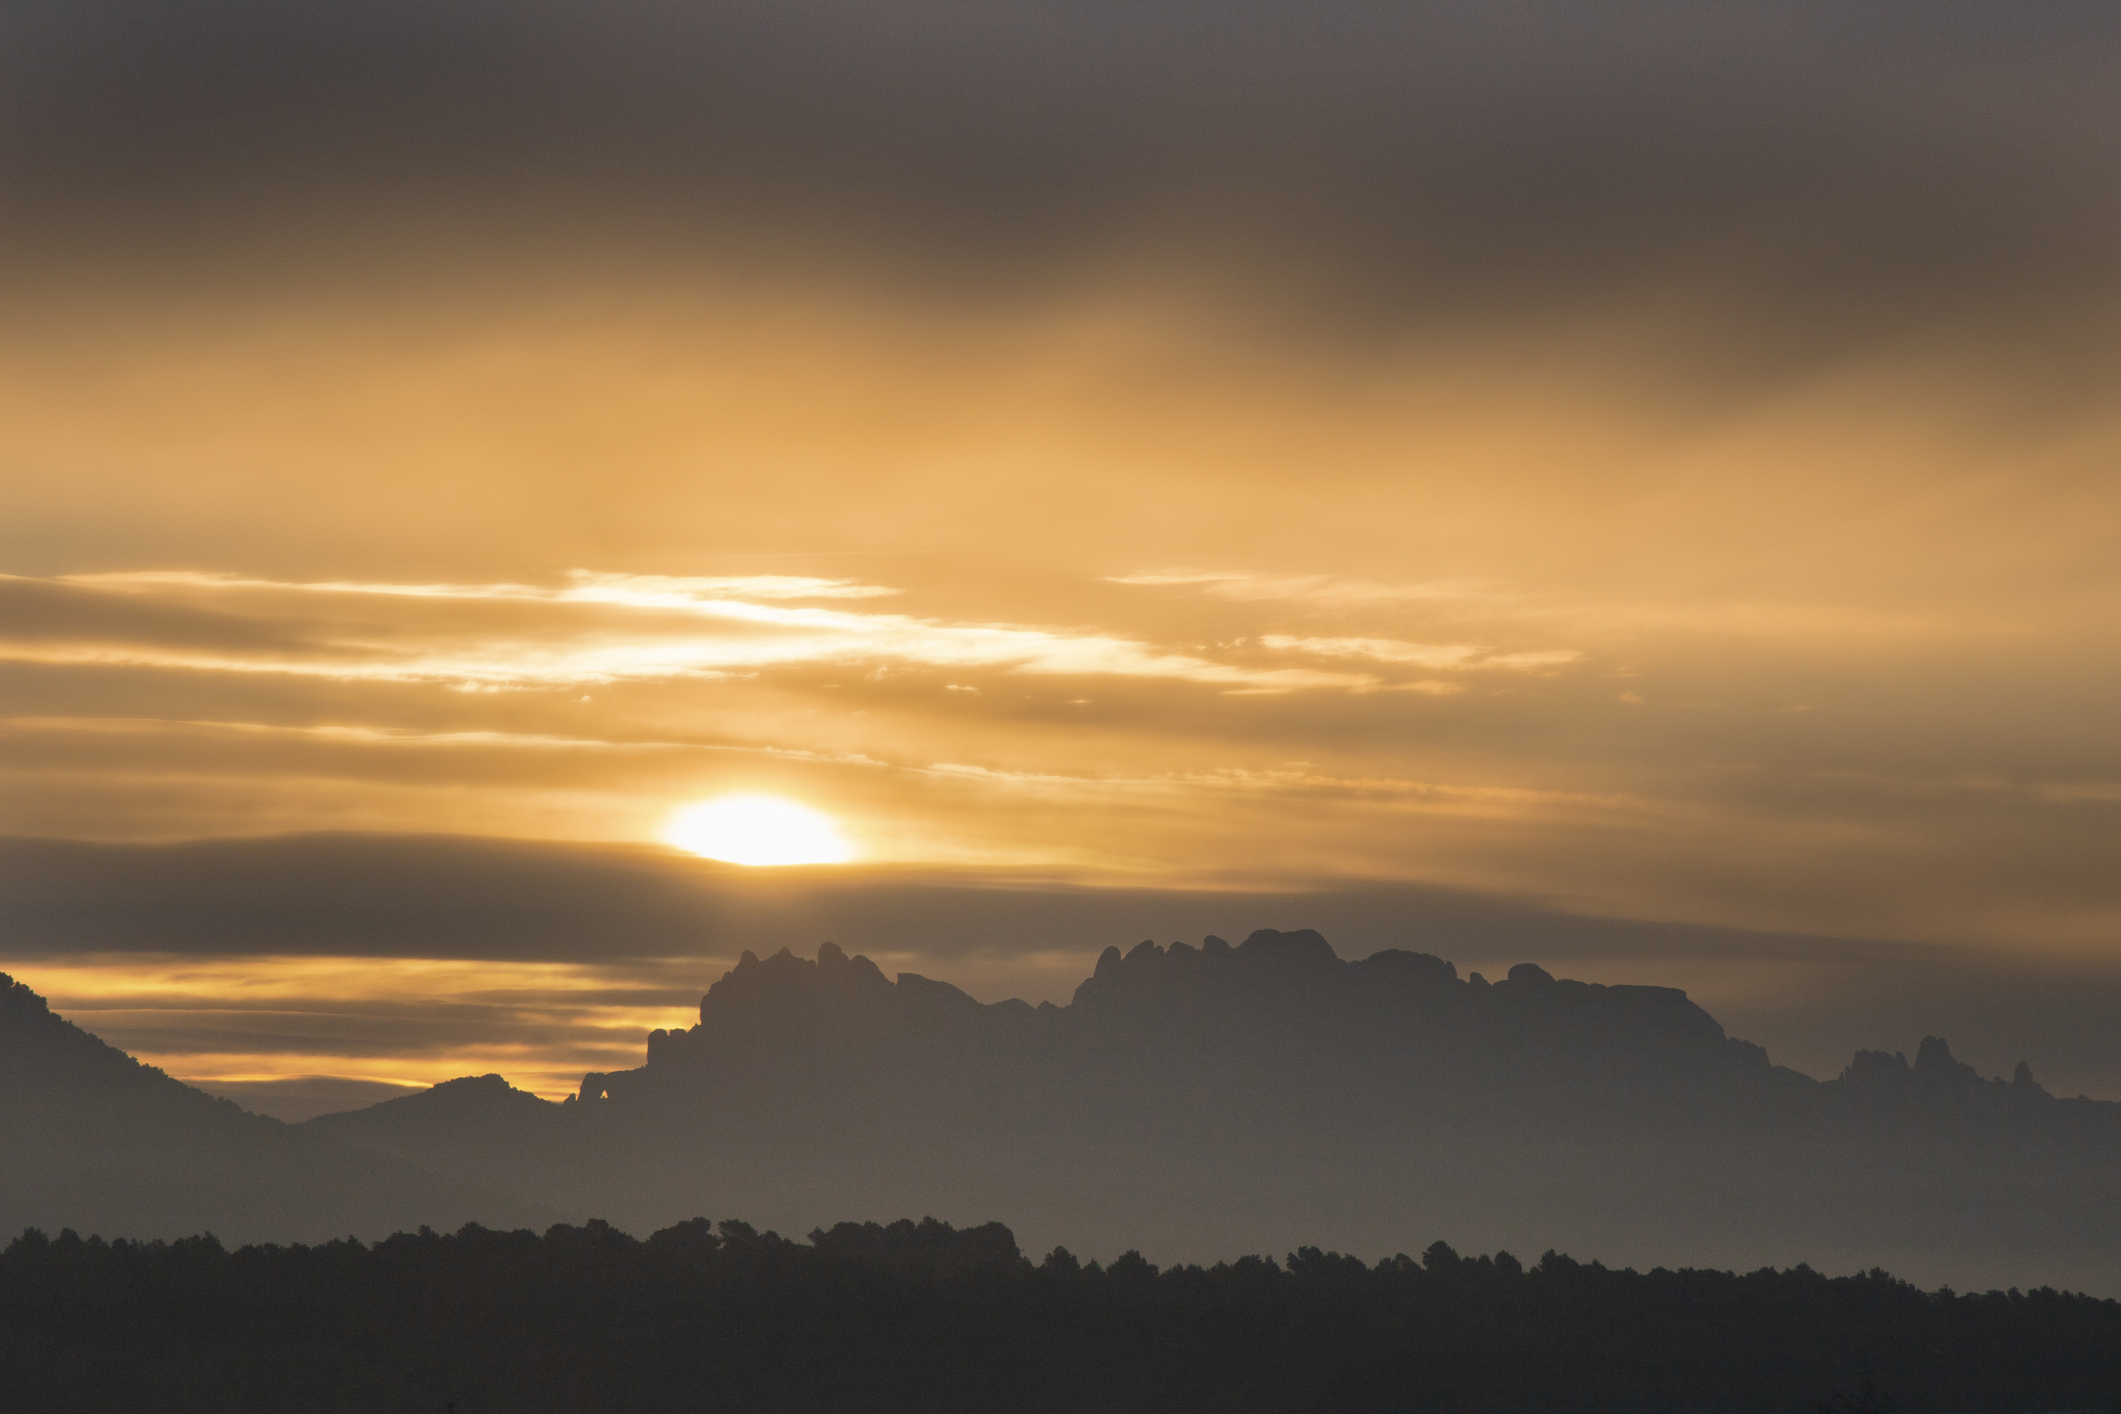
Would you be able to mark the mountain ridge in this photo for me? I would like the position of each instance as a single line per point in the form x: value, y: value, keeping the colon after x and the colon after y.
x: 1606, y: 1031
x: 101, y: 1142
x: 1202, y: 1095
x: 1185, y: 1099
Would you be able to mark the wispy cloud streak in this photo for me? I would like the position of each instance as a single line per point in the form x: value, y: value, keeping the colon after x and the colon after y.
x: 1322, y: 589
x: 645, y: 591
x: 1422, y: 655
x: 757, y: 636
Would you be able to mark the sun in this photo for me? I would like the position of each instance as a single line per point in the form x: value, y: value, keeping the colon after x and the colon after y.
x: 757, y: 829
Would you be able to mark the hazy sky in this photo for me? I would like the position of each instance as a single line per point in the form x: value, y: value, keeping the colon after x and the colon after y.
x: 1648, y: 461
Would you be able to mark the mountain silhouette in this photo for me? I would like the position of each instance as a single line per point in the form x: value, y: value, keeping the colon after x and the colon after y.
x: 96, y: 1141
x: 1210, y: 1098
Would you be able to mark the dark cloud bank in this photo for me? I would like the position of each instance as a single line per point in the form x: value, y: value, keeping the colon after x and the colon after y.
x: 1839, y: 172
x: 1811, y: 1001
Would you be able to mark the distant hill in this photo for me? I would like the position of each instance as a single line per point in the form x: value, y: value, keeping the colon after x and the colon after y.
x: 98, y: 1142
x: 1191, y: 1100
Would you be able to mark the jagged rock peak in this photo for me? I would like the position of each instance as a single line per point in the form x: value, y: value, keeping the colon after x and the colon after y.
x: 1935, y: 1070
x: 1303, y: 950
x: 1268, y: 954
x: 1305, y: 946
x: 1933, y: 1062
x: 785, y: 978
x: 1285, y: 971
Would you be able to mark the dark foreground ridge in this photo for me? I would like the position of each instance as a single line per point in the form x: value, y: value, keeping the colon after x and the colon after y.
x: 922, y: 1316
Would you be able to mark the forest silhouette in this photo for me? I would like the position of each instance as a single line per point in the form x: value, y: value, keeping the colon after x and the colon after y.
x: 924, y: 1316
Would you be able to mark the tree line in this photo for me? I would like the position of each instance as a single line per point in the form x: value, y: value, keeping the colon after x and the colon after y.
x: 926, y: 1316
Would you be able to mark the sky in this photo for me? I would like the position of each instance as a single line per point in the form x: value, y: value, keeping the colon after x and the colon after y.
x: 1435, y: 468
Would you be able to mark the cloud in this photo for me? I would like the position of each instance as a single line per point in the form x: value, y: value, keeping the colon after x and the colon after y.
x: 1323, y: 589
x: 1404, y: 162
x: 390, y: 1020
x: 1422, y: 655
x: 47, y: 612
x: 335, y: 734
x: 709, y: 594
x: 1290, y: 780
x: 757, y: 636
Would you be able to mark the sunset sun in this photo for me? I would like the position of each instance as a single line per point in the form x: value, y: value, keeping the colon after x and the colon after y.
x: 757, y: 829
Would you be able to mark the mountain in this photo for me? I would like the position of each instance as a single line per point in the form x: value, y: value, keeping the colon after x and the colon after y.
x: 98, y: 1142
x: 1194, y: 1100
